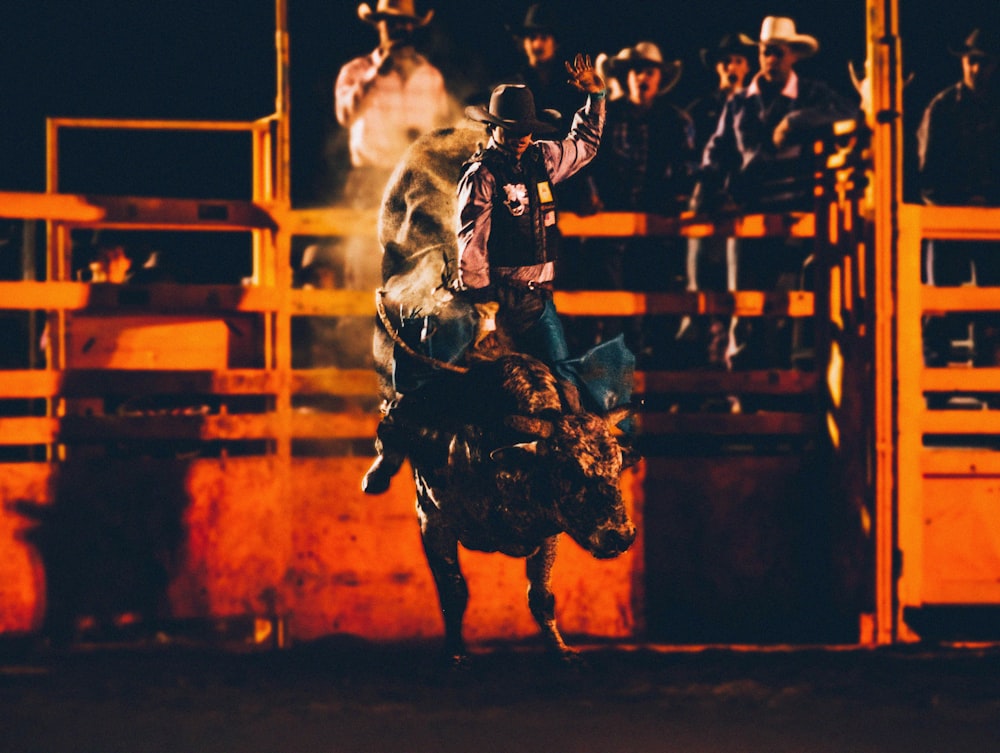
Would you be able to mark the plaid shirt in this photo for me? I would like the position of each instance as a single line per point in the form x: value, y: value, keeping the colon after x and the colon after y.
x: 959, y: 148
x: 385, y: 113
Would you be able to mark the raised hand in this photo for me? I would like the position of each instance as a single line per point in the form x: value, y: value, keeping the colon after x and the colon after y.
x: 583, y: 75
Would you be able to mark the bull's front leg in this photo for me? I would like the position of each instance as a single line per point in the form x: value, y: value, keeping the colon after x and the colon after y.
x: 441, y: 549
x: 541, y: 600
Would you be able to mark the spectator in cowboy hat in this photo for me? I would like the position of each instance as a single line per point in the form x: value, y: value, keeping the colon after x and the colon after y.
x: 704, y: 338
x: 648, y: 143
x: 543, y: 70
x: 731, y: 60
x: 757, y: 157
x: 540, y: 40
x: 763, y: 126
x: 644, y: 165
x: 959, y: 136
x: 959, y: 161
x: 385, y: 100
x: 390, y: 96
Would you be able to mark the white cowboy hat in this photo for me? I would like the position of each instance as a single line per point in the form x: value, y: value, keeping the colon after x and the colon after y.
x: 642, y: 55
x: 782, y: 29
x: 388, y: 10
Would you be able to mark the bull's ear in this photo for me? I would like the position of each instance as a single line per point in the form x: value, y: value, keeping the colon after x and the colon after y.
x: 533, y: 425
x: 630, y: 457
x: 514, y: 451
x: 618, y: 415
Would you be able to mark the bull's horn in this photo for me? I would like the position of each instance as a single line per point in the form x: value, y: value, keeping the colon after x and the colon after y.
x: 536, y: 427
x: 855, y: 78
x: 618, y: 415
x: 531, y: 448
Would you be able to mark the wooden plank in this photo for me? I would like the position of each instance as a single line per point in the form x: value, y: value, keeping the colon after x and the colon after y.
x: 729, y: 424
x: 28, y: 431
x: 27, y: 383
x: 706, y: 382
x: 959, y: 223
x: 334, y: 382
x: 339, y: 222
x: 232, y: 427
x: 162, y: 297
x: 358, y: 382
x: 137, y: 213
x: 627, y: 224
x: 617, y: 225
x: 328, y: 221
x: 96, y: 382
x: 960, y: 462
x: 314, y: 425
x: 966, y: 298
x: 333, y: 425
x: 127, y: 341
x: 140, y: 213
x: 744, y: 302
x: 168, y: 427
x: 960, y: 379
x: 961, y: 422
x: 56, y: 207
x: 332, y: 303
x: 136, y: 124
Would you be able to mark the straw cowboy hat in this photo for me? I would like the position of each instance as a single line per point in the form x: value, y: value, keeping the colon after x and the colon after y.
x: 512, y: 106
x: 615, y: 90
x: 393, y: 10
x: 730, y: 44
x: 782, y: 29
x: 644, y: 55
x: 979, y: 42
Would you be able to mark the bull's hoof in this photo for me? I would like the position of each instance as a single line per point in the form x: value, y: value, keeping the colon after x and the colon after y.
x: 378, y: 477
x: 570, y: 660
x: 460, y: 663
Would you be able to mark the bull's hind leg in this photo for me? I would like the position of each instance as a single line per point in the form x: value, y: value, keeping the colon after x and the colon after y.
x: 541, y: 600
x: 441, y: 549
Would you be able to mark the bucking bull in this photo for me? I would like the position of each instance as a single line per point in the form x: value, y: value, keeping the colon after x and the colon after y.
x: 504, y: 456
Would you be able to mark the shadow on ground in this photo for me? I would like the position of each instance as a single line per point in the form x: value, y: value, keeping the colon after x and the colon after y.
x: 346, y: 696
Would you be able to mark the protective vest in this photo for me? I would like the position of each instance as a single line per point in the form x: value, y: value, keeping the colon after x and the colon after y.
x: 523, y: 227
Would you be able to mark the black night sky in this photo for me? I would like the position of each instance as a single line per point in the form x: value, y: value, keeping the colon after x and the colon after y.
x: 214, y: 59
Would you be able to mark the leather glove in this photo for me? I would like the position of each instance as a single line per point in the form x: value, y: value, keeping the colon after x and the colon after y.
x: 487, y: 320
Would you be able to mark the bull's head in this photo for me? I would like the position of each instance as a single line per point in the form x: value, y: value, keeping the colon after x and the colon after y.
x: 581, y: 463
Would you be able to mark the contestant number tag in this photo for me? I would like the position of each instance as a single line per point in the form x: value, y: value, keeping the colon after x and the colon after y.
x: 544, y: 192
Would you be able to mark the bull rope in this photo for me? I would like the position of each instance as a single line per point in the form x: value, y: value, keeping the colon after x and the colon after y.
x: 395, y: 337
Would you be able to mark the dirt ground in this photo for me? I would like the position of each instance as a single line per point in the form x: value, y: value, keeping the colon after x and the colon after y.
x: 347, y: 697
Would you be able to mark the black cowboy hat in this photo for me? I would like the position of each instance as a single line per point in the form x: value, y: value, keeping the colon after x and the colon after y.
x: 538, y: 19
x: 730, y: 44
x: 979, y: 42
x: 393, y: 10
x: 512, y: 106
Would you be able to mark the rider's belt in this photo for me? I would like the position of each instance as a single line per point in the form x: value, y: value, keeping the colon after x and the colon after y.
x: 528, y: 284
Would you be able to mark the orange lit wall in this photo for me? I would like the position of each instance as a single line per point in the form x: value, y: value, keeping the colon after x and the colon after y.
x: 326, y: 557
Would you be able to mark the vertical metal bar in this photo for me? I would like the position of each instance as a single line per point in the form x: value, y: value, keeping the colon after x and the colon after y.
x: 884, y: 58
x: 280, y: 260
x: 908, y: 556
x: 29, y: 273
x: 281, y: 105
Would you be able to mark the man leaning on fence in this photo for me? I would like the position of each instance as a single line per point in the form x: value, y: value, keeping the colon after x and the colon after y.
x: 959, y: 153
x: 759, y: 160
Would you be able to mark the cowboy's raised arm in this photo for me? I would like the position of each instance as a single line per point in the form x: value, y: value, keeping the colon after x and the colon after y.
x: 566, y: 157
